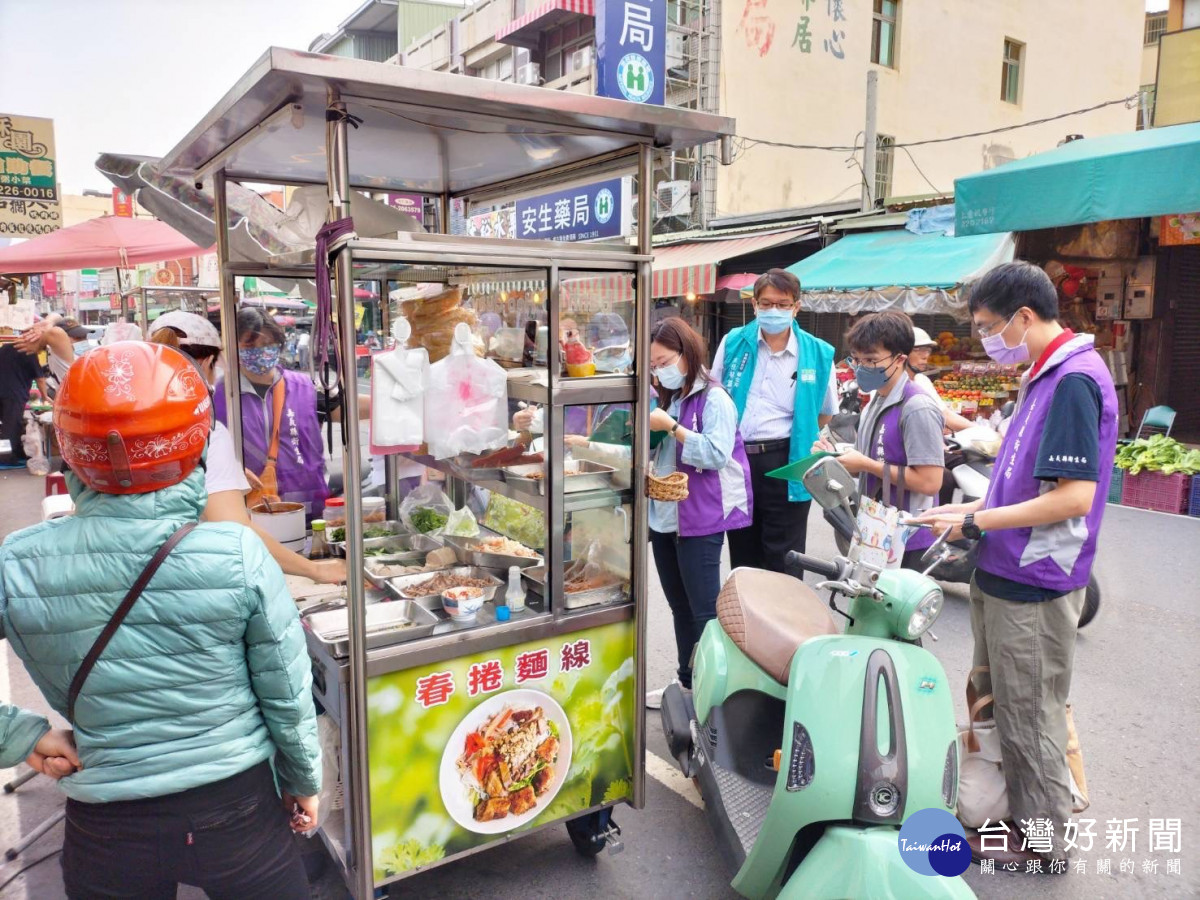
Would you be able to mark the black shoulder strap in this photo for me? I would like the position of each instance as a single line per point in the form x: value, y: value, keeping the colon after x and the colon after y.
x: 119, y: 616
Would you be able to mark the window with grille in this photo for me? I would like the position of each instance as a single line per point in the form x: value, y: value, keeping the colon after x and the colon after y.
x: 1010, y: 81
x: 1156, y: 26
x: 884, y: 158
x: 883, y: 32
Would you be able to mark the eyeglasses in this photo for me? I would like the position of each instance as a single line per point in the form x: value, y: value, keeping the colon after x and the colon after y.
x: 659, y: 364
x: 787, y: 305
x: 994, y: 327
x: 854, y: 361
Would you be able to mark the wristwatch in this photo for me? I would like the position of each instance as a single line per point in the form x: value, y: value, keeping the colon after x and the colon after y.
x: 969, y: 529
x: 674, y: 428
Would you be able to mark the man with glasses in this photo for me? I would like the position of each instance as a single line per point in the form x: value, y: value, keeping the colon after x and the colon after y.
x: 782, y: 382
x: 1037, y: 527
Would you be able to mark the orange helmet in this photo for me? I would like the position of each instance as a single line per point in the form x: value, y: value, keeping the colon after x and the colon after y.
x: 132, y: 417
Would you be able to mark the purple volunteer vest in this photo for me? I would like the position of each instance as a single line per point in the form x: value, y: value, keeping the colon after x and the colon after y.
x: 300, y: 469
x: 703, y: 512
x: 1057, y: 556
x: 887, y: 443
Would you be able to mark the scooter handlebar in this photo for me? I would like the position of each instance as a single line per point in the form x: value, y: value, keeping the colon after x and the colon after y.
x: 796, y: 563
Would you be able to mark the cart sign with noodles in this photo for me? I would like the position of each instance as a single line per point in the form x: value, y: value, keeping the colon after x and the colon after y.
x: 466, y: 751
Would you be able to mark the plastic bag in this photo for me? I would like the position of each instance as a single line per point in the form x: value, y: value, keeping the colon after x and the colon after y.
x: 881, y: 534
x: 516, y: 520
x: 462, y: 524
x: 426, y: 510
x: 31, y: 442
x: 466, y: 404
x: 398, y: 382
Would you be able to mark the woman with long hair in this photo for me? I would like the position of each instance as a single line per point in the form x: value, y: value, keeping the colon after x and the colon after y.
x: 702, y: 440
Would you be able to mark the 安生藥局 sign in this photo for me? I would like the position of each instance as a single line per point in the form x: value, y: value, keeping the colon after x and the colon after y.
x: 631, y: 58
x: 468, y: 750
x: 29, y: 203
x: 602, y: 210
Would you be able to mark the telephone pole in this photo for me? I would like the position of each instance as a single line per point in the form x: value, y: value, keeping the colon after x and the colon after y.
x: 870, y: 141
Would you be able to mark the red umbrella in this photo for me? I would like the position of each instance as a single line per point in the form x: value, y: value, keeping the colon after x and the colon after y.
x: 107, y: 242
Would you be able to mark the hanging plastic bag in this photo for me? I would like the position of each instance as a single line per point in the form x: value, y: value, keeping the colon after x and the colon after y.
x: 462, y: 523
x: 881, y: 534
x: 398, y: 382
x: 31, y: 442
x: 466, y: 404
x: 426, y: 510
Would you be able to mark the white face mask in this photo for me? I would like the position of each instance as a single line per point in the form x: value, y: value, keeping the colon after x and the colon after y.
x: 670, y: 376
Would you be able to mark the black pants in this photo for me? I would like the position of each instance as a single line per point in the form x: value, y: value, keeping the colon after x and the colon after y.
x: 230, y: 838
x: 689, y: 569
x: 779, y: 525
x: 12, y: 429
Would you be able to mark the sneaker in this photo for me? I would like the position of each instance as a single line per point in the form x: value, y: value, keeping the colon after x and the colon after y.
x: 654, y: 698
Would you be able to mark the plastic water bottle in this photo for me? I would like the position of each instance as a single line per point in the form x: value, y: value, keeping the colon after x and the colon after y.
x: 515, y: 596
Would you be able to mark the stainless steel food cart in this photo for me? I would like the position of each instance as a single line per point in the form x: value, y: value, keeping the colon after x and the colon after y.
x: 302, y: 119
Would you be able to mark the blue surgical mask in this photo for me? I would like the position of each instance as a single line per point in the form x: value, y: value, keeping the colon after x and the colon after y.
x: 871, y: 378
x: 670, y: 377
x: 775, y: 321
x: 259, y: 360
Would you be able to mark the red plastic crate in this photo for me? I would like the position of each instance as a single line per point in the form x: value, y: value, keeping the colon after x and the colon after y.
x: 1194, y: 502
x: 1153, y: 490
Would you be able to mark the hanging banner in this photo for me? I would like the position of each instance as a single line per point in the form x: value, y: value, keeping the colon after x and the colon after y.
x: 631, y: 41
x: 469, y: 750
x: 499, y: 223
x: 50, y: 284
x: 602, y: 210
x: 122, y: 204
x: 29, y: 203
x: 1179, y: 230
x: 412, y: 204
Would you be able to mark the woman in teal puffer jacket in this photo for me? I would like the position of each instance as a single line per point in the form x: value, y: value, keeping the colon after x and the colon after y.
x: 206, y: 685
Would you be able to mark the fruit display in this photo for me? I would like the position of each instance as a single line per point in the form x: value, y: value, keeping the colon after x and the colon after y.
x: 977, y: 388
x: 951, y: 349
x: 579, y: 360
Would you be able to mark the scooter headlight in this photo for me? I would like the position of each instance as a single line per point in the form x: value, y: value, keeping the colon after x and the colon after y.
x: 924, y: 615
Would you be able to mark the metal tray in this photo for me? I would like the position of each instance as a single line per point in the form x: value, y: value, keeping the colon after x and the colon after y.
x: 401, y: 542
x: 398, y: 584
x: 587, y: 476
x: 469, y: 557
x: 387, y: 623
x: 534, y: 579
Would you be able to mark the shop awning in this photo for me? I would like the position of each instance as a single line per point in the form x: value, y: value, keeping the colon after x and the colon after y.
x: 1116, y: 176
x: 896, y: 269
x: 683, y: 269
x: 525, y: 31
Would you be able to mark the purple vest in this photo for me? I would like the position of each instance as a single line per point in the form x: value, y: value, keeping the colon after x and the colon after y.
x: 300, y: 468
x: 887, y: 443
x: 703, y: 512
x: 1057, y: 556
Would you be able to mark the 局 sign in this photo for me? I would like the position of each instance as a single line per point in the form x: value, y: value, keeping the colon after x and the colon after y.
x: 601, y: 210
x: 631, y: 58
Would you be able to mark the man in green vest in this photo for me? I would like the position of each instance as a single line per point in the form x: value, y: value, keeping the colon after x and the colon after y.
x: 781, y: 379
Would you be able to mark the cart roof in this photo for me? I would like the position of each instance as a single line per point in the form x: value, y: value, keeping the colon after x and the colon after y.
x: 420, y: 131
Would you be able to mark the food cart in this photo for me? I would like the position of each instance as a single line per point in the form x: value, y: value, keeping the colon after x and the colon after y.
x: 419, y: 698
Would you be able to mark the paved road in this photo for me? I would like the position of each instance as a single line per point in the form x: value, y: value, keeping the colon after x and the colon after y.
x: 1135, y: 707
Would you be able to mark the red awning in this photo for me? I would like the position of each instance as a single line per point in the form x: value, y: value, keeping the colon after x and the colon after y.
x: 525, y: 31
x: 103, y: 243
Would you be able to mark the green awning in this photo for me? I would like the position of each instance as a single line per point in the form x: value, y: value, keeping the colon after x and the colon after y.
x: 1117, y: 176
x: 896, y: 269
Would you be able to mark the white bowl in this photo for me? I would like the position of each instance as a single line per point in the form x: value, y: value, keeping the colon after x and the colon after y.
x: 462, y: 602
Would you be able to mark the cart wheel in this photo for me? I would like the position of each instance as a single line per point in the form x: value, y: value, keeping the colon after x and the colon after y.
x: 589, y: 833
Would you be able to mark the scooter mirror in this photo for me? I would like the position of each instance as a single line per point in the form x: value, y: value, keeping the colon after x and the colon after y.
x: 830, y: 484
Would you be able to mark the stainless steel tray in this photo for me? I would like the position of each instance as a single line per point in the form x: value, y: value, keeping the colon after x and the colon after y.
x: 469, y: 557
x: 387, y: 623
x: 397, y: 585
x: 579, y: 475
x: 534, y: 579
x: 401, y: 543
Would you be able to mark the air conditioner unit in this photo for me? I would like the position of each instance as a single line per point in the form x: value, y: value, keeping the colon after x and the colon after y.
x: 675, y: 45
x: 581, y: 59
x: 673, y: 198
x: 530, y: 73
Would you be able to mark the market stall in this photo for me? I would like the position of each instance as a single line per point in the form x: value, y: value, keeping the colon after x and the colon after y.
x: 457, y: 715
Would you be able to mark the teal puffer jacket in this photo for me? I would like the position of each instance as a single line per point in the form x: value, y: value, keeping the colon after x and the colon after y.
x: 207, y: 676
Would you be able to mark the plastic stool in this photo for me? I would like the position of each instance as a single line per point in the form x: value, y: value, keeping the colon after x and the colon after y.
x: 56, y: 483
x: 56, y: 506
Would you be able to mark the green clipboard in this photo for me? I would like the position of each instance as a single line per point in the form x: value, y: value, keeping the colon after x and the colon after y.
x: 797, y: 470
x: 617, y: 429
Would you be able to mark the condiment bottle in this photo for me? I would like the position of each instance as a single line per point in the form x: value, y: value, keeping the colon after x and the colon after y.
x: 515, y: 596
x: 319, y: 549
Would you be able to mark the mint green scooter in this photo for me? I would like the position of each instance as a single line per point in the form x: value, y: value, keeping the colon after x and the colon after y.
x: 811, y: 746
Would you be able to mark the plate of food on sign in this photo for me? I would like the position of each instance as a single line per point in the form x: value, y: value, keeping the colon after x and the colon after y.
x: 505, y: 761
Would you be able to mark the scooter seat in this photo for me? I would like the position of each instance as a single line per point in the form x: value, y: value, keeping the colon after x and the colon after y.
x: 768, y: 615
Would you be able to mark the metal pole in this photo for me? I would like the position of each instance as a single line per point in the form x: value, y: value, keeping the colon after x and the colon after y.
x: 336, y: 148
x: 233, y: 372
x: 870, y: 140
x: 641, y: 458
x: 145, y: 311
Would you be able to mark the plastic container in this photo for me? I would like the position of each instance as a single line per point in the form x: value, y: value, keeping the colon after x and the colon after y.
x: 514, y: 597
x: 374, y: 509
x: 1194, y: 500
x: 1115, y: 486
x: 319, y: 548
x: 1154, y: 490
x: 335, y: 512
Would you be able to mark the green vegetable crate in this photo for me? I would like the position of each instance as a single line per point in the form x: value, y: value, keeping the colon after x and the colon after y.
x: 1116, y: 485
x: 1153, y: 490
x: 1194, y: 502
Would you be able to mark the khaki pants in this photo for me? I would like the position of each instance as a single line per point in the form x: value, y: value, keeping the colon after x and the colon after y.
x: 1030, y: 648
